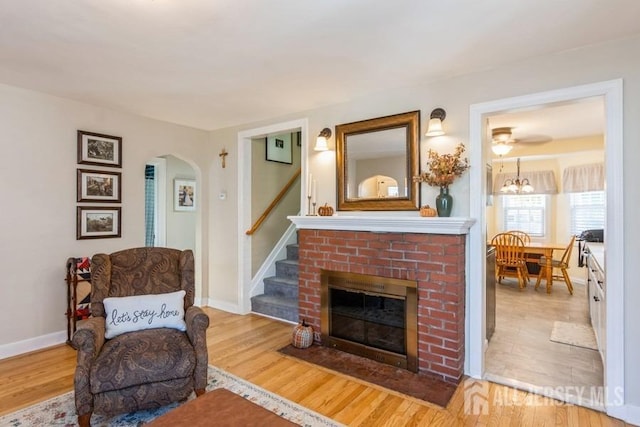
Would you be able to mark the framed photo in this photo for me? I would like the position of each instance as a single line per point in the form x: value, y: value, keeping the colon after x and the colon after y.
x: 98, y: 186
x: 99, y: 149
x: 97, y: 222
x: 184, y: 195
x: 279, y: 149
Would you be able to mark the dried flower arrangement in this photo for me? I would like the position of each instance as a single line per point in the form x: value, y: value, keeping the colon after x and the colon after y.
x: 443, y: 169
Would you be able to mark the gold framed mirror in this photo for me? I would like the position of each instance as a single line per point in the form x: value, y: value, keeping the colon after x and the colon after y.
x: 376, y: 161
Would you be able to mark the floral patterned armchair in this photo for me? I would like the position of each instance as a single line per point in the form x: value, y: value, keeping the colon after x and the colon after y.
x: 147, y: 368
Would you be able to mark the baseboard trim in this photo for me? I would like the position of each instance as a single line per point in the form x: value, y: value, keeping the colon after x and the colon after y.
x: 224, y: 306
x: 32, y: 344
x: 627, y: 413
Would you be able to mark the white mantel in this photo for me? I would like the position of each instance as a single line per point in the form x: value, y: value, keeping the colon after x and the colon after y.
x: 383, y: 223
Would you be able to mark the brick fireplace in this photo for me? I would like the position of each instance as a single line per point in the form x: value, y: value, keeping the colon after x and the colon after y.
x: 435, y: 261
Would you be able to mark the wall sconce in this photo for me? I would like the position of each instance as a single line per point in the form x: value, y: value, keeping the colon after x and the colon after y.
x: 435, y: 122
x: 321, y: 141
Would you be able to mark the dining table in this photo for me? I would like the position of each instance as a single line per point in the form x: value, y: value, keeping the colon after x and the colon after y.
x: 545, y: 249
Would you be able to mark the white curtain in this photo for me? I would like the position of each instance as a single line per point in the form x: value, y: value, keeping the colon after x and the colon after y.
x: 578, y: 179
x: 543, y: 182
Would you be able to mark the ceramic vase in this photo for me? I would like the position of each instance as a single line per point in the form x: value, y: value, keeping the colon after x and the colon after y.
x: 444, y: 202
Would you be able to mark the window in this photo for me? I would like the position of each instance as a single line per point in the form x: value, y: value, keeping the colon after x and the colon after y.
x: 525, y: 212
x: 587, y: 211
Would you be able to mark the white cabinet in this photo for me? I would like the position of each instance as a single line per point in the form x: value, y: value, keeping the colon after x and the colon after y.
x: 596, y: 295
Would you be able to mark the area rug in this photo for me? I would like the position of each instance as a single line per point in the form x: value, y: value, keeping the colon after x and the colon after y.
x: 577, y: 334
x: 420, y: 386
x: 60, y: 410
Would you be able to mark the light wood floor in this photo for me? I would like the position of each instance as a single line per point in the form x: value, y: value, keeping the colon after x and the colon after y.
x: 520, y: 349
x: 247, y: 347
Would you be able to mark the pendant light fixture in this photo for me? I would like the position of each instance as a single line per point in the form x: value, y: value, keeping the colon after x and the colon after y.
x: 517, y: 185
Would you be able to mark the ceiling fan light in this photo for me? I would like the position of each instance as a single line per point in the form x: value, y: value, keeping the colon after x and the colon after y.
x: 500, y: 148
x: 501, y: 134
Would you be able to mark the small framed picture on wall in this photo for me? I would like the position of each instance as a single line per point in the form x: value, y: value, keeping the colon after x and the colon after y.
x: 98, y: 186
x: 97, y: 222
x: 184, y: 195
x: 99, y: 149
x: 279, y: 148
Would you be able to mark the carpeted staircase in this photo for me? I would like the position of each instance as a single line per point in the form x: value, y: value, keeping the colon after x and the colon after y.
x: 280, y: 298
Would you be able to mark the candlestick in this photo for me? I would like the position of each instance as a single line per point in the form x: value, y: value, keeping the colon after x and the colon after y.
x: 313, y: 192
x: 309, y: 205
x: 314, y: 209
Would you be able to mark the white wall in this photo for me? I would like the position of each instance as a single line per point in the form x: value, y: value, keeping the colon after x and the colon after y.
x: 609, y: 61
x: 38, y: 188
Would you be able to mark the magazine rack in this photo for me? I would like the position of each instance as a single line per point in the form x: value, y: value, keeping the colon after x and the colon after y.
x: 78, y: 280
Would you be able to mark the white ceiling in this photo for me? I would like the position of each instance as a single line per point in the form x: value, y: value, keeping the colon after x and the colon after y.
x: 216, y: 63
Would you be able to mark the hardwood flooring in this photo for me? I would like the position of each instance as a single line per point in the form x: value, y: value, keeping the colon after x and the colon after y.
x: 520, y: 351
x: 247, y: 346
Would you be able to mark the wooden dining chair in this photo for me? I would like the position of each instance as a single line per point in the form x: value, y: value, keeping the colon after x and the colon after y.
x: 526, y: 238
x: 562, y: 264
x: 530, y: 259
x: 510, y: 260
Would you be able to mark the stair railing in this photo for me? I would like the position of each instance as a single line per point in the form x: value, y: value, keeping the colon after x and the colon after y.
x: 274, y: 203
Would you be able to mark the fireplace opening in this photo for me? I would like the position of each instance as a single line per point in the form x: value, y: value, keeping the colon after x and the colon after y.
x: 370, y: 316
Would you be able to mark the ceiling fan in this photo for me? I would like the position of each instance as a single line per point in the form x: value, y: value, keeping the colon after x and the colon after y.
x: 502, y: 140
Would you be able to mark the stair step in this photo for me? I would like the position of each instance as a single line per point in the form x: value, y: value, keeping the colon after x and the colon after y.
x: 292, y: 251
x: 281, y: 308
x: 287, y: 268
x: 281, y: 286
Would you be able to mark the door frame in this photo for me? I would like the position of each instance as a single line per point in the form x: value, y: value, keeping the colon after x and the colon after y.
x: 160, y: 207
x: 244, y: 197
x: 612, y: 92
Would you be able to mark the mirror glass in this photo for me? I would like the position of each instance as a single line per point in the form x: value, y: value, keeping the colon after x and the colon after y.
x: 376, y: 160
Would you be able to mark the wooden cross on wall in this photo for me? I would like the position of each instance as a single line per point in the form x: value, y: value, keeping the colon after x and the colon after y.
x: 223, y: 155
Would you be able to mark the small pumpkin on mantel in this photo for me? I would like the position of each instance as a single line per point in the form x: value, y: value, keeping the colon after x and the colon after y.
x: 427, y: 211
x: 325, y: 210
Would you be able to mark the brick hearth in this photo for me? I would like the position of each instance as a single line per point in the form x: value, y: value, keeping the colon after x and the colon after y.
x: 435, y: 261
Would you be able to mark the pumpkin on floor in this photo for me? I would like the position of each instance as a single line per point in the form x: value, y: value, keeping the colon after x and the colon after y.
x: 302, y: 335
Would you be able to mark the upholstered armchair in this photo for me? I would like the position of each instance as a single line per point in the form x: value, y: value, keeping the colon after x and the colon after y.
x: 164, y: 358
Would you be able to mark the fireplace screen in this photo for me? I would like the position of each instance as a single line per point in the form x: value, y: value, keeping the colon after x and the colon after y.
x: 376, y: 321
x: 371, y: 316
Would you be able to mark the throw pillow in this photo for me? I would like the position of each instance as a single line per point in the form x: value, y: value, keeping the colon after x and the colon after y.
x: 135, y: 313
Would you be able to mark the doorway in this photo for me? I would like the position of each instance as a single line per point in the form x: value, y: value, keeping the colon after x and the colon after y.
x: 244, y: 178
x: 551, y: 144
x: 611, y: 91
x: 155, y: 202
x: 167, y: 225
